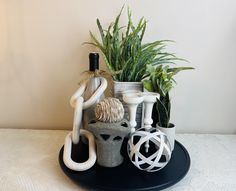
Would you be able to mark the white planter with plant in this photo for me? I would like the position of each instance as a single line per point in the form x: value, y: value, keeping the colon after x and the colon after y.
x: 127, y: 57
x: 161, y: 80
x: 170, y: 133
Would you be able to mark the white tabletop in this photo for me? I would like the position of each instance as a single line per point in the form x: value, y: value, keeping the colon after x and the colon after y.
x: 29, y: 162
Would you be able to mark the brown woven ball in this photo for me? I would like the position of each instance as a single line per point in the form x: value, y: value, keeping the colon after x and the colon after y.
x: 109, y: 110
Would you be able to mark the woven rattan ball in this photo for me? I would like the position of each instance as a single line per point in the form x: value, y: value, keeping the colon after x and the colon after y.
x: 109, y: 110
x: 159, y: 153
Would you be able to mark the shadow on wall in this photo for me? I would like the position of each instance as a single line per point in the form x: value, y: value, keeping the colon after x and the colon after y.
x: 40, y: 67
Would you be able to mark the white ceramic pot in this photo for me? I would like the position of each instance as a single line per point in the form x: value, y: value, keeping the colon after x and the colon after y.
x: 119, y: 88
x: 170, y: 133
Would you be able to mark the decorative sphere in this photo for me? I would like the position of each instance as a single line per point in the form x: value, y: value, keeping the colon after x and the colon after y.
x: 109, y: 110
x: 159, y: 151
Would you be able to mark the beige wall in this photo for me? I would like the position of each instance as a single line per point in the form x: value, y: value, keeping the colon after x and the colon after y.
x: 41, y: 57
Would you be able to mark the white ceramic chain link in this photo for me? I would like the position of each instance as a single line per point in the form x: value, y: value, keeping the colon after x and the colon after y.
x: 78, y: 103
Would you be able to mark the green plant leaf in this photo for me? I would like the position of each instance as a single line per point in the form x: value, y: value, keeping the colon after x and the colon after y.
x: 98, y: 44
x: 101, y: 30
x: 176, y: 70
x: 162, y: 114
x: 148, y: 85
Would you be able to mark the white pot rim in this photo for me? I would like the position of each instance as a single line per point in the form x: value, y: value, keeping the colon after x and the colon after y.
x: 171, y: 126
x: 118, y: 82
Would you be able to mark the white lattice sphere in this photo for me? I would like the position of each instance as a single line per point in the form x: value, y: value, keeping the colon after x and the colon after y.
x: 159, y: 153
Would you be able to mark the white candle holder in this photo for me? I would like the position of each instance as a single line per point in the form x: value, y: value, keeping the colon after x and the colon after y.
x: 149, y: 100
x: 132, y: 99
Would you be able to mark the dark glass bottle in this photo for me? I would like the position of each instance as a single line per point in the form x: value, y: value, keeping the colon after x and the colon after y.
x: 92, y: 85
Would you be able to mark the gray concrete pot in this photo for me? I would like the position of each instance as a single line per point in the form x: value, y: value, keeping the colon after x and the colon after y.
x: 109, y: 138
x: 119, y: 88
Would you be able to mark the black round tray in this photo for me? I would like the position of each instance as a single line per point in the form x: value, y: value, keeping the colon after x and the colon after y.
x: 127, y: 176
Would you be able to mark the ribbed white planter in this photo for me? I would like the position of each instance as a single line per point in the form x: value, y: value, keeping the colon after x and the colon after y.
x: 170, y: 133
x: 121, y: 87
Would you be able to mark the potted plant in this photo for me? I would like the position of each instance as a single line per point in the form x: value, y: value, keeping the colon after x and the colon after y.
x: 127, y: 57
x: 161, y: 80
